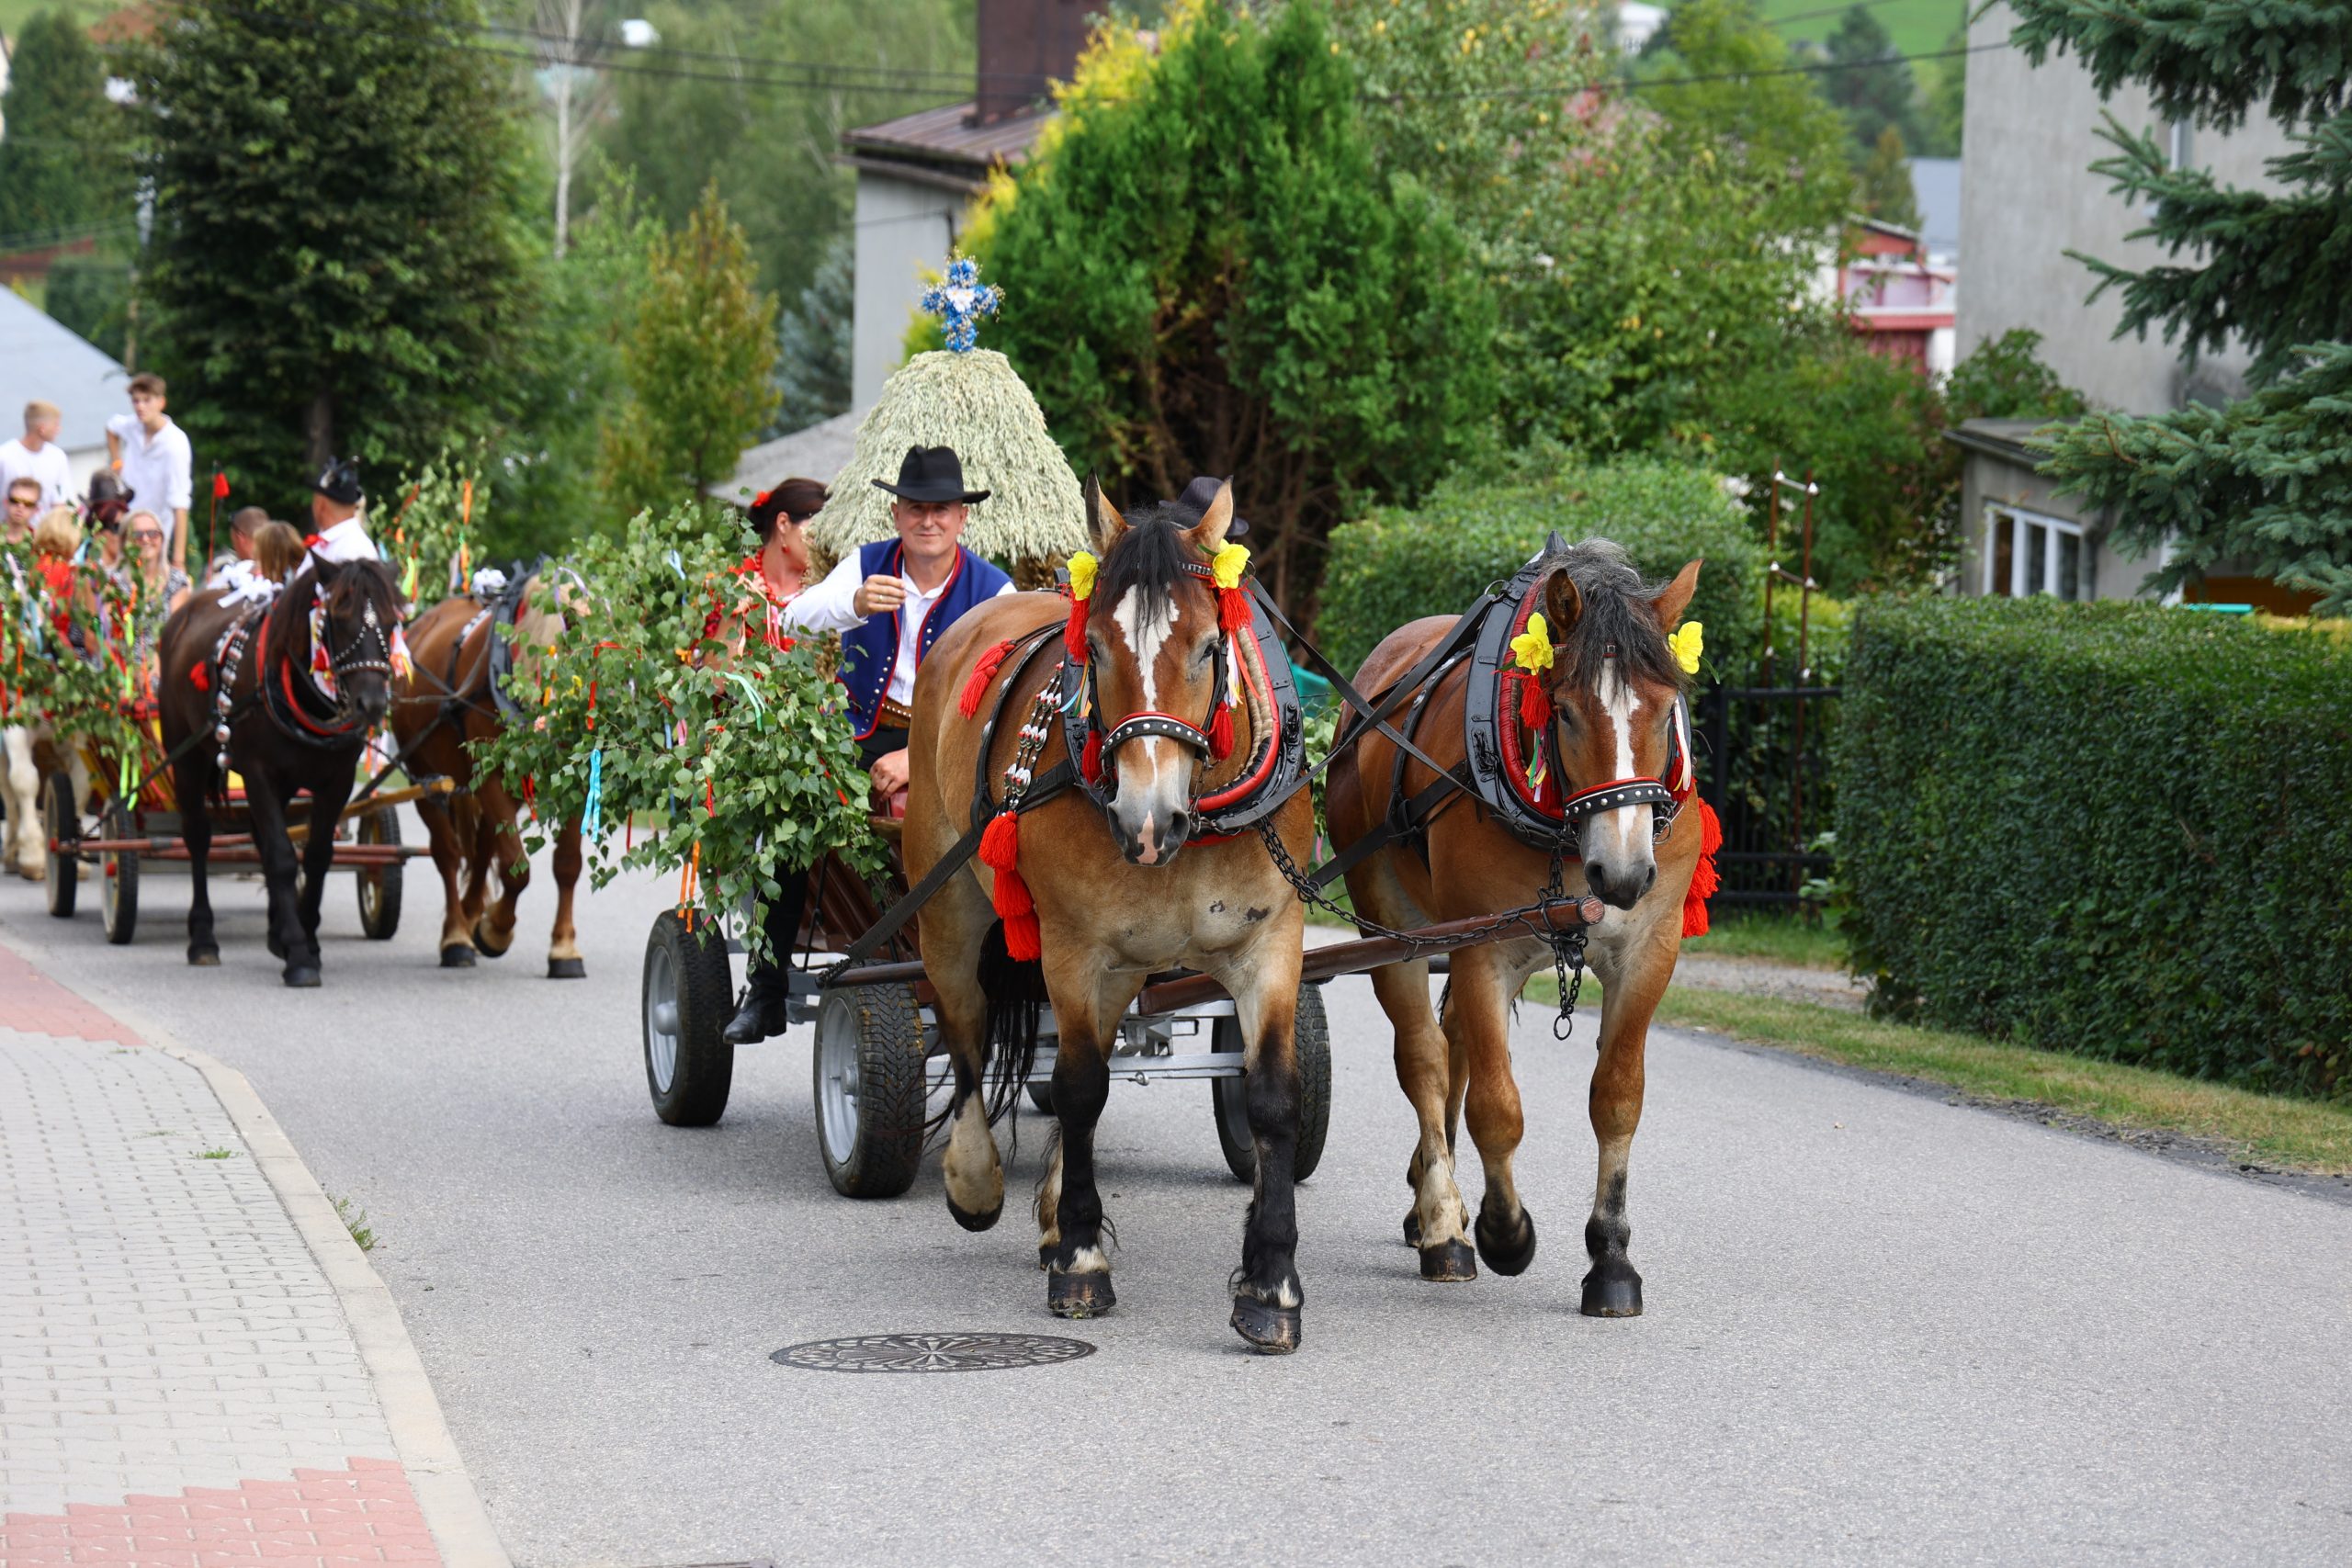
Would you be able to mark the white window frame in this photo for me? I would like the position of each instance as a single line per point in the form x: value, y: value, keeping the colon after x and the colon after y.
x: 1996, y: 514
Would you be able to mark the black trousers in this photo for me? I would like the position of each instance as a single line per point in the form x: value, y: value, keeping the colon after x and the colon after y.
x: 766, y: 976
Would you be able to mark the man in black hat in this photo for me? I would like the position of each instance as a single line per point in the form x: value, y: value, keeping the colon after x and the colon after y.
x: 336, y: 531
x: 891, y: 601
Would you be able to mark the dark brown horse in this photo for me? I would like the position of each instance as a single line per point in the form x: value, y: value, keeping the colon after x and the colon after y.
x: 1118, y: 893
x: 247, y: 670
x: 445, y: 702
x: 1612, y: 690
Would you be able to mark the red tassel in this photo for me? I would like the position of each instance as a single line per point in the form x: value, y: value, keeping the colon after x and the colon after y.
x: 1232, y: 610
x: 1221, y: 732
x: 1001, y: 852
x: 1704, y: 878
x: 1074, y: 633
x: 1534, y: 706
x: 199, y: 678
x: 1089, y: 761
x: 983, y: 672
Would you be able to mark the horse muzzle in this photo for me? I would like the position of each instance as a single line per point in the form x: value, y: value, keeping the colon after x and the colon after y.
x: 1153, y: 838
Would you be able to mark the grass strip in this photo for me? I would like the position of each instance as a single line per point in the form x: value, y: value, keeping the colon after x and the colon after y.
x: 2271, y: 1130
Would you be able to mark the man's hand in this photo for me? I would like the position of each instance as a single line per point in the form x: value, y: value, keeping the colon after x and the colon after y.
x: 890, y: 773
x: 877, y: 593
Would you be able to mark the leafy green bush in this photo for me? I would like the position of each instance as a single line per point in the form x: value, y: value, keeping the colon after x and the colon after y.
x: 2112, y: 829
x: 1398, y: 564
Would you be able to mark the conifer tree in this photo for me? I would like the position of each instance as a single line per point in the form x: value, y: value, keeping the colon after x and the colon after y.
x: 1885, y: 190
x: 63, y: 164
x: 2264, y: 482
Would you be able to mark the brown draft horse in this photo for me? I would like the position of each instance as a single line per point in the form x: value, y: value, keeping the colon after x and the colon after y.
x: 1613, y: 688
x: 1115, y: 901
x: 283, y: 736
x: 446, y: 701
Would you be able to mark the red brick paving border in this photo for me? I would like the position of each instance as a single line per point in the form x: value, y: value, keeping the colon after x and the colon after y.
x: 31, y: 1001
x: 366, y: 1514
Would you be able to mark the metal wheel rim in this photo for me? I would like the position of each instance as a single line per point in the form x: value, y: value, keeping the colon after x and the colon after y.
x: 837, y: 1079
x: 371, y: 882
x: 660, y: 1045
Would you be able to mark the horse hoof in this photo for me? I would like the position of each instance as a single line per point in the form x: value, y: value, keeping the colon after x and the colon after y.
x: 1079, y: 1295
x: 458, y: 955
x: 970, y: 1221
x: 204, y: 957
x: 1044, y: 1256
x: 1413, y: 1227
x: 1615, y: 1294
x: 1271, y: 1330
x: 567, y: 969
x: 1449, y: 1262
x: 302, y: 977
x: 1506, y: 1254
x: 486, y: 940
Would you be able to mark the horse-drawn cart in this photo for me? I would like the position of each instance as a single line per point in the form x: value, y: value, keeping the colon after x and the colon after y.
x: 138, y: 823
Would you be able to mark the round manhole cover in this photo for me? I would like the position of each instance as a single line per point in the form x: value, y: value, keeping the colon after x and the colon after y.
x: 932, y: 1353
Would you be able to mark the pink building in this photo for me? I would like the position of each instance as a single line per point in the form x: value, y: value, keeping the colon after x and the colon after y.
x: 1901, y: 303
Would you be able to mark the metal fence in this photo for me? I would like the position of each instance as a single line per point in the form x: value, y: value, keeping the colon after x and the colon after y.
x: 1763, y: 766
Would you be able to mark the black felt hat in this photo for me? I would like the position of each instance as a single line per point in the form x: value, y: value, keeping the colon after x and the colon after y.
x: 1197, y: 498
x: 933, y: 474
x: 339, y: 482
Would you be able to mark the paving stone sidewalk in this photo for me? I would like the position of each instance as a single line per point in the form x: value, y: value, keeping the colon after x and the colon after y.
x: 179, y: 1384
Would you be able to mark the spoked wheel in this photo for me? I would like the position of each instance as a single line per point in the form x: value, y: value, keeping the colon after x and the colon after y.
x: 869, y: 1088
x: 689, y: 1067
x: 62, y: 822
x: 119, y: 884
x: 1314, y: 1035
x: 380, y: 886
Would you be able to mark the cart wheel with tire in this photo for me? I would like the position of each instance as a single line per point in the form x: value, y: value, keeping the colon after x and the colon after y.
x: 1231, y: 1095
x: 118, y: 879
x: 380, y: 886
x: 61, y: 821
x: 686, y: 999
x: 869, y: 1090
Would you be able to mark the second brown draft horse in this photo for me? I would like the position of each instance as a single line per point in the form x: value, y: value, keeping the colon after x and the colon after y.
x: 245, y: 673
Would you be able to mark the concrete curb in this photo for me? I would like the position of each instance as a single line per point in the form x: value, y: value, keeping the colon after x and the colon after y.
x: 436, y: 1473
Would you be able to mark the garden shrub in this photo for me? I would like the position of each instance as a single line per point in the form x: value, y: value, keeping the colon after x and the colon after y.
x: 2119, y: 829
x: 1400, y: 564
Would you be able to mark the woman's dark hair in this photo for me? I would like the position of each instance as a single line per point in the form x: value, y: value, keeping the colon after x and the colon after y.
x: 797, y: 499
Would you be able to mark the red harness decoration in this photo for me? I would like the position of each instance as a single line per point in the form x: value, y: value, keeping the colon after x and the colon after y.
x: 1001, y: 852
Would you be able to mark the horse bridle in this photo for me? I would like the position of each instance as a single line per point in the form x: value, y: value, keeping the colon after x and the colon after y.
x: 1152, y: 723
x: 355, y: 658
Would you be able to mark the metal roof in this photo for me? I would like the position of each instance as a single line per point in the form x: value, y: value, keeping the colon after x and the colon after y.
x: 39, y: 358
x: 945, y: 135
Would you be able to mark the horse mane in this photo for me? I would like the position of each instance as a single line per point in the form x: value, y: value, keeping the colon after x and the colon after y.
x: 286, y: 626
x: 1151, y: 555
x: 1616, y: 614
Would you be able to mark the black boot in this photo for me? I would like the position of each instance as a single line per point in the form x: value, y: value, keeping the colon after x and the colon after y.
x: 761, y: 1017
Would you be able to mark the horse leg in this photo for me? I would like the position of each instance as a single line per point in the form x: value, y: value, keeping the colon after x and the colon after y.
x: 276, y: 853
x: 564, y: 962
x: 25, y: 841
x: 954, y: 923
x: 500, y: 846
x: 1477, y: 1020
x: 1266, y: 1291
x: 1630, y: 986
x: 318, y: 858
x: 1087, y: 1005
x: 446, y: 823
x: 191, y: 778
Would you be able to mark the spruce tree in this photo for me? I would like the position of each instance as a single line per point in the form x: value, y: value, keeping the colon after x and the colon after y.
x: 1875, y: 89
x: 340, y: 259
x: 62, y: 164
x: 1885, y: 191
x: 2264, y: 482
x: 812, y: 368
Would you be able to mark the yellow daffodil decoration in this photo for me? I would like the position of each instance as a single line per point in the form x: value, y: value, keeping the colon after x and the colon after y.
x: 1687, y: 643
x: 1532, y: 649
x: 1082, y: 567
x: 1229, y: 564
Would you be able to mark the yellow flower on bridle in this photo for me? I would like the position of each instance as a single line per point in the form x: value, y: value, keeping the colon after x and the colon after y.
x: 1082, y: 567
x: 1532, y: 649
x: 1228, y: 565
x: 1687, y: 643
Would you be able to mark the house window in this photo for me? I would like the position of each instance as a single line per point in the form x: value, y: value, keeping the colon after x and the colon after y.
x: 2028, y: 553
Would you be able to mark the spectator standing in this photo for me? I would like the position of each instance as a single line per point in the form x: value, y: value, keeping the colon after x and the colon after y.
x: 24, y: 506
x: 160, y: 587
x: 37, y: 456
x: 155, y: 459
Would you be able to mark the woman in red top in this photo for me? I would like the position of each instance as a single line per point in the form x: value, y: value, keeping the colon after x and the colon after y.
x: 55, y: 539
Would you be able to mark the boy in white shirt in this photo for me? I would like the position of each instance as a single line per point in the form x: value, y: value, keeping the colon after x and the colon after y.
x: 153, y: 457
x: 37, y: 456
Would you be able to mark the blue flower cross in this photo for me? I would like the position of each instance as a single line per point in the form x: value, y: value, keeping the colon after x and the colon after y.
x: 960, y: 301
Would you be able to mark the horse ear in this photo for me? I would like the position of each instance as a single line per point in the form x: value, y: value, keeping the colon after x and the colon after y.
x: 1207, y: 535
x: 1562, y: 604
x: 1104, y: 524
x: 1670, y: 605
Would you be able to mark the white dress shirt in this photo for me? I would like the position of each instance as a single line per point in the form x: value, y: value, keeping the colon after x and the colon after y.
x: 158, y: 469
x: 347, y: 540
x: 48, y: 466
x: 831, y: 606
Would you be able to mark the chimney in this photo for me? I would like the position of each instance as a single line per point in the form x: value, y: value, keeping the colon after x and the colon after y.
x: 1025, y: 45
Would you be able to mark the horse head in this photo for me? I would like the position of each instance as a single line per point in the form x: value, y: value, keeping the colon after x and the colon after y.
x: 360, y: 607
x: 1613, y: 684
x: 1153, y: 647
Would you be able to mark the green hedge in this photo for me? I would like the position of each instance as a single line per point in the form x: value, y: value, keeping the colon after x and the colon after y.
x: 2119, y: 829
x: 1396, y: 566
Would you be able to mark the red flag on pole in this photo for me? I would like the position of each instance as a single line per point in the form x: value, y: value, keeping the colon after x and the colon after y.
x: 219, y: 485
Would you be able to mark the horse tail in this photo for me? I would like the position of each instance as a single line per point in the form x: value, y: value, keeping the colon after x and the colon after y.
x: 1015, y: 989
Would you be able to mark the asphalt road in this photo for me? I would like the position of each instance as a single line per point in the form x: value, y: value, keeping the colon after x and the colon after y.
x: 1880, y: 1330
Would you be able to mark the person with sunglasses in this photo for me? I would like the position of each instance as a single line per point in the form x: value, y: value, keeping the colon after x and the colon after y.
x: 162, y: 589
x: 24, y: 506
